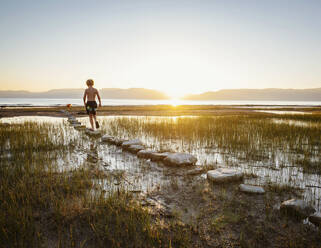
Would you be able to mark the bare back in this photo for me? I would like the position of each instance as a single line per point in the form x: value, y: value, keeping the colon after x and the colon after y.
x: 91, y: 93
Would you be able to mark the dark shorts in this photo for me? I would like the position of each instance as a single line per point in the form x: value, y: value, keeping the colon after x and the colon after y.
x: 91, y: 107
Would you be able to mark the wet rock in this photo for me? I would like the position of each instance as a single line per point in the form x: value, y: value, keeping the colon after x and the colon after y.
x: 106, y: 138
x: 296, y: 208
x: 315, y: 218
x: 112, y: 140
x: 119, y: 142
x: 75, y: 124
x: 115, y: 141
x: 222, y: 175
x: 251, y: 189
x: 92, y: 132
x: 145, y: 154
x: 159, y: 156
x: 180, y: 159
x: 5, y: 124
x: 134, y: 148
x: 79, y: 126
x: 131, y: 142
x: 71, y: 118
x: 196, y: 171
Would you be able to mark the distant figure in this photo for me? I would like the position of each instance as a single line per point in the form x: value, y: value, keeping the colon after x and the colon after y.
x: 91, y: 105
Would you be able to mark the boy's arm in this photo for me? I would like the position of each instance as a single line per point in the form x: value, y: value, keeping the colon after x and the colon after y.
x: 84, y: 98
x: 99, y: 98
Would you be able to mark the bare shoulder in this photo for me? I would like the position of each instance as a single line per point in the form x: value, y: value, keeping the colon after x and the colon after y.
x: 95, y: 90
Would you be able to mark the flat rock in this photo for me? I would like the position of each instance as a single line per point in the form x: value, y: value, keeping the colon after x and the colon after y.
x: 131, y: 142
x: 115, y: 141
x: 159, y: 156
x: 134, y: 148
x: 119, y: 142
x: 75, y: 124
x: 297, y: 208
x: 106, y: 138
x: 180, y: 159
x: 222, y: 175
x: 73, y: 121
x: 196, y: 171
x: 251, y: 189
x: 93, y: 133
x: 79, y: 126
x: 145, y: 154
x: 315, y: 218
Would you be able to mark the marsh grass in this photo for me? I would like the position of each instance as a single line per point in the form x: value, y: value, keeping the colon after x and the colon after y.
x: 42, y: 206
x: 248, y: 138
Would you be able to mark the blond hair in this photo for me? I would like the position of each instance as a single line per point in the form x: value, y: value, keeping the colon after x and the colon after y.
x: 90, y: 82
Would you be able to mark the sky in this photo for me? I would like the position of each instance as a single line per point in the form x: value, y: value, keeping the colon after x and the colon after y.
x: 176, y: 46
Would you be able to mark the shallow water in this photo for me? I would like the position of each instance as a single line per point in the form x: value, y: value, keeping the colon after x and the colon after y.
x: 280, y: 112
x: 140, y: 175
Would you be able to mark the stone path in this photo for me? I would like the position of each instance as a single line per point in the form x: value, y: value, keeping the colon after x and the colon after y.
x: 293, y: 207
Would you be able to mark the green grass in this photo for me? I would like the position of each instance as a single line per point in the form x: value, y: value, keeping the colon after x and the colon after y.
x: 42, y: 206
x: 254, y: 137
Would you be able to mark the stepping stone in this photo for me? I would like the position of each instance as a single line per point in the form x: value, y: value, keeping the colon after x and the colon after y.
x: 78, y: 127
x: 315, y: 218
x: 119, y: 142
x: 296, y: 208
x: 145, y: 154
x: 251, y: 189
x: 196, y: 171
x: 131, y: 142
x: 159, y: 156
x: 93, y: 133
x: 222, y: 175
x: 76, y: 124
x: 115, y: 141
x: 106, y: 138
x: 134, y: 148
x: 180, y: 159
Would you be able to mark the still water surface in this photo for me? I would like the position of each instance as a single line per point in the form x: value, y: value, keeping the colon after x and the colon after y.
x: 144, y: 175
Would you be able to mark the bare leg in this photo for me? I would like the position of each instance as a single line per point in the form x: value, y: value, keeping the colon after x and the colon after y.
x: 96, y: 123
x: 91, y: 121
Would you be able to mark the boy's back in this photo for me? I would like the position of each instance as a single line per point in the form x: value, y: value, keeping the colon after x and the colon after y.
x: 91, y: 93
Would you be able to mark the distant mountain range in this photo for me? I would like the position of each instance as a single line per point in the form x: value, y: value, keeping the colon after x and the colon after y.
x: 260, y: 95
x: 109, y: 93
x: 148, y: 94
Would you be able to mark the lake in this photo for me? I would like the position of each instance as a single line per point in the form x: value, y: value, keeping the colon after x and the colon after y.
x: 115, y: 102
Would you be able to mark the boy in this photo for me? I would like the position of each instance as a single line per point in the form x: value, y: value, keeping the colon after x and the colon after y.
x: 91, y: 105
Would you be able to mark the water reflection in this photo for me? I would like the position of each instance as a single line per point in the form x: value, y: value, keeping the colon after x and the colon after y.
x: 140, y: 175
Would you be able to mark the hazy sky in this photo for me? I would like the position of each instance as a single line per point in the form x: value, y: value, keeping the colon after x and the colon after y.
x: 174, y: 46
